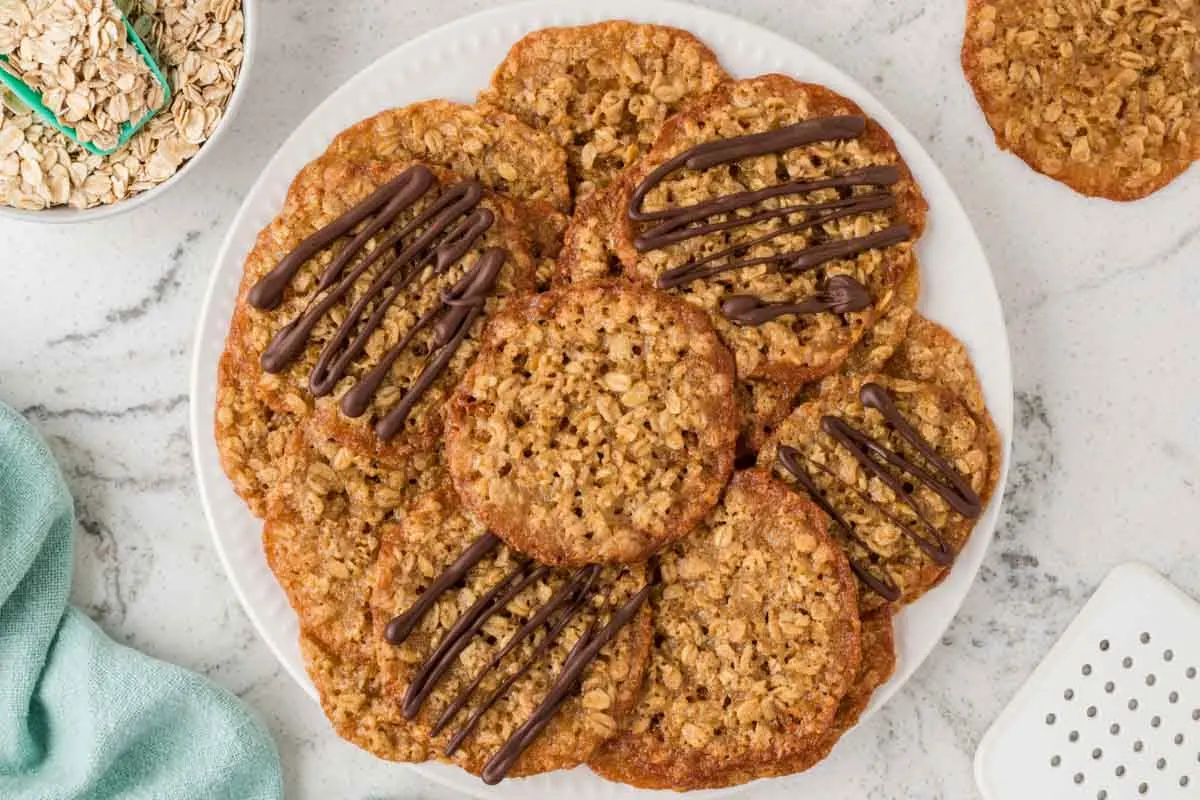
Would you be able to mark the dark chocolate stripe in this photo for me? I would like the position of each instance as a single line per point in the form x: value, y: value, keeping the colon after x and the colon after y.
x: 394, y: 196
x: 671, y: 225
x: 402, y: 626
x: 567, y: 682
x: 944, y: 480
x: 423, y: 249
x: 882, y: 584
x: 460, y: 634
x: 580, y: 582
x: 577, y: 603
x: 841, y: 294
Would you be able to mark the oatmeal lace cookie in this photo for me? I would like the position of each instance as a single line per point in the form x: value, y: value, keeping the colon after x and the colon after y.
x: 589, y: 250
x: 362, y: 303
x: 889, y: 332
x: 492, y: 146
x: 603, y: 90
x: 783, y: 212
x: 904, y: 468
x: 1102, y: 95
x: 597, y: 425
x: 756, y: 642
x: 473, y: 638
x: 878, y: 664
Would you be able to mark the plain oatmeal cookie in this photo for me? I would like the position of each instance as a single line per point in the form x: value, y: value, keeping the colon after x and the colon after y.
x: 389, y: 308
x: 756, y: 642
x: 597, y: 425
x: 731, y: 256
x: 199, y: 48
x: 878, y: 664
x: 903, y: 467
x: 1103, y: 95
x: 434, y: 533
x: 603, y: 91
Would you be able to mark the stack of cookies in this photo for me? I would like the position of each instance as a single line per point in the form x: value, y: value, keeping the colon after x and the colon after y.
x: 594, y: 422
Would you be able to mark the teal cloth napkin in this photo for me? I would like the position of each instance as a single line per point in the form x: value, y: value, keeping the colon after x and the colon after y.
x: 80, y: 715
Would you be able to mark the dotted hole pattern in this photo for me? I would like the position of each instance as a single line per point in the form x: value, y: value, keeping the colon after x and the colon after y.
x: 1122, y: 764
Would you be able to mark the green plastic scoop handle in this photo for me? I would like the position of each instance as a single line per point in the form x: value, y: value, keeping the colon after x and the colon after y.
x: 31, y: 98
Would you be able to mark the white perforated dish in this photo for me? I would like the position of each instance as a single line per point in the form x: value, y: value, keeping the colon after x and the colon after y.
x: 455, y: 62
x: 1113, y: 712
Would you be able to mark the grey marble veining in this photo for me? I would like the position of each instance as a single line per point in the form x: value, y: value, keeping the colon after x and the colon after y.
x: 1102, y: 302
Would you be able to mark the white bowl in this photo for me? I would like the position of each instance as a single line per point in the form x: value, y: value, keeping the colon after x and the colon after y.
x: 65, y: 214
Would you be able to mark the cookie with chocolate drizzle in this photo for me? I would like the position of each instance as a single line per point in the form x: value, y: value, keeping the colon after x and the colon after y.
x: 597, y: 425
x: 363, y: 302
x: 603, y: 90
x: 483, y: 143
x: 903, y: 468
x: 782, y: 211
x: 756, y: 643
x: 506, y: 666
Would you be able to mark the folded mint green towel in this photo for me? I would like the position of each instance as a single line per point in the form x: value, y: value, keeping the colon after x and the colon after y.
x: 84, y: 717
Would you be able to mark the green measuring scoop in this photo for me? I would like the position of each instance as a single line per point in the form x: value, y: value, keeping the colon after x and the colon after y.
x: 31, y: 98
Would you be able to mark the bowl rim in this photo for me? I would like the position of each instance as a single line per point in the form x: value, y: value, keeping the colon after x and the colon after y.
x: 64, y: 215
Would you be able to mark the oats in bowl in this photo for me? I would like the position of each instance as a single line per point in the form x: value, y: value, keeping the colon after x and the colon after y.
x: 199, y: 45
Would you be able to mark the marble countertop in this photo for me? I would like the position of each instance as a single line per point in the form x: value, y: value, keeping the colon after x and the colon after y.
x: 1102, y: 302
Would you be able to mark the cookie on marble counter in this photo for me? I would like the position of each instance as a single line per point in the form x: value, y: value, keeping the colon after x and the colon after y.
x: 597, y: 425
x: 1104, y: 97
x: 475, y: 636
x: 756, y: 643
x: 783, y: 212
x: 602, y: 90
x: 362, y: 303
x: 904, y: 469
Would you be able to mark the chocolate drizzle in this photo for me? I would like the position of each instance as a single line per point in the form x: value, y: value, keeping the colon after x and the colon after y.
x: 421, y: 250
x: 565, y: 605
x: 672, y: 225
x: 876, y: 458
x: 841, y: 294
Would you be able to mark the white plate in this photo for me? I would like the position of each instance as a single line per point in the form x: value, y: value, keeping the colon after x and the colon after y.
x: 455, y: 61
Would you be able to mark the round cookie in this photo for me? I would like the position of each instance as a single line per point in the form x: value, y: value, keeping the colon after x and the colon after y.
x: 878, y: 664
x: 931, y: 353
x: 505, y: 154
x: 762, y: 404
x: 433, y: 535
x: 589, y: 252
x: 888, y: 333
x: 250, y: 435
x: 792, y: 227
x: 756, y: 643
x: 371, y: 354
x: 597, y: 425
x: 1104, y: 97
x: 904, y: 468
x: 603, y: 90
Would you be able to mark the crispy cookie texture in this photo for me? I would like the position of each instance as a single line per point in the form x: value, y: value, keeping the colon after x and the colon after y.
x: 756, y: 643
x: 1102, y: 95
x: 433, y: 534
x: 882, y: 538
x: 791, y: 348
x: 589, y: 250
x: 878, y: 664
x: 322, y: 192
x: 603, y: 90
x: 505, y: 154
x: 598, y: 425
